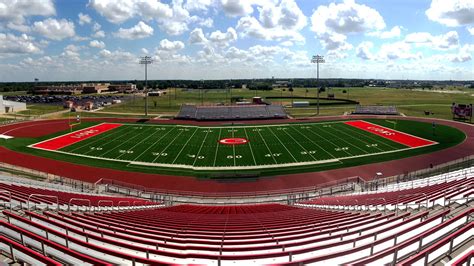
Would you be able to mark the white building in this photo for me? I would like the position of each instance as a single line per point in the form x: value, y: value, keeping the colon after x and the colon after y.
x: 10, y: 106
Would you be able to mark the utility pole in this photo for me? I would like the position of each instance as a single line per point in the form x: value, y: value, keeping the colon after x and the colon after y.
x: 317, y: 59
x: 146, y: 60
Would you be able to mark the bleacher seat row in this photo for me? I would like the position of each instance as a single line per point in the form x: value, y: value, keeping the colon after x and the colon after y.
x: 329, y: 230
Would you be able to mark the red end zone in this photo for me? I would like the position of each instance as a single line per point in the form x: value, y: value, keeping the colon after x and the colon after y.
x: 393, y: 135
x: 74, y: 137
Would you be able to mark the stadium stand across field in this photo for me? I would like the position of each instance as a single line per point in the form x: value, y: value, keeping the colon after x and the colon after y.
x: 375, y: 110
x: 235, y: 112
x: 415, y: 222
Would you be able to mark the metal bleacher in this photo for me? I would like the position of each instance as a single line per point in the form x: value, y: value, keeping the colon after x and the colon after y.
x: 234, y: 112
x: 375, y: 110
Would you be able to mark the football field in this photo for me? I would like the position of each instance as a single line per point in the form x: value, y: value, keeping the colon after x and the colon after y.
x: 232, y: 147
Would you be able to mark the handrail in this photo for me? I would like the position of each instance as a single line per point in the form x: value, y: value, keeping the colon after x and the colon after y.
x: 78, y: 199
x: 100, y: 201
x: 411, y: 195
x: 10, y: 197
x: 373, y: 199
x: 44, y: 196
x: 126, y: 201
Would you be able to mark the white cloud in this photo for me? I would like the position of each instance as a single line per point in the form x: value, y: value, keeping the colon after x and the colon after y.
x: 451, y: 13
x: 393, y: 33
x: 397, y: 50
x: 277, y: 21
x: 446, y: 41
x: 96, y: 26
x: 223, y: 38
x: 208, y: 22
x: 197, y: 37
x: 84, y: 19
x: 167, y: 45
x: 118, y: 11
x: 97, y: 44
x: 332, y: 23
x: 14, y: 12
x: 470, y: 30
x: 99, y: 34
x: 197, y: 5
x: 139, y: 31
x: 22, y: 44
x: 71, y: 52
x: 236, y: 8
x: 347, y: 17
x: 55, y: 29
x: 363, y: 50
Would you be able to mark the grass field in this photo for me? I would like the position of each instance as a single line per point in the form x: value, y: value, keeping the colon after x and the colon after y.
x: 198, y: 148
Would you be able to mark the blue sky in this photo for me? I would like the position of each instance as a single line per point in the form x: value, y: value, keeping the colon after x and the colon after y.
x: 229, y: 39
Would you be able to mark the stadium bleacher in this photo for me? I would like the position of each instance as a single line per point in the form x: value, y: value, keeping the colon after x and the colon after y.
x: 234, y: 112
x: 329, y: 230
x: 375, y: 110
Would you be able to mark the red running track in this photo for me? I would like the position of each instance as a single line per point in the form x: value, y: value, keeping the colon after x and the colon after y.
x: 185, y: 183
x: 60, y: 142
x: 393, y: 135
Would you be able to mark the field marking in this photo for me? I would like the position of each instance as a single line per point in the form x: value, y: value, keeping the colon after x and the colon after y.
x: 300, y: 145
x: 233, y: 147
x: 169, y: 131
x: 358, y: 139
x: 266, y: 145
x: 217, y: 148
x: 312, y: 130
x: 291, y: 154
x: 156, y: 131
x: 319, y: 146
x: 184, y: 146
x: 347, y: 142
x: 371, y: 137
x: 101, y: 137
x: 250, y: 146
x: 200, y: 147
x: 124, y: 142
x: 171, y: 142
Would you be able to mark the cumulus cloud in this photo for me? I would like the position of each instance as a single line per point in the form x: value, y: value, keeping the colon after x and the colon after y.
x: 97, y: 44
x: 84, y: 19
x: 393, y: 33
x: 200, y: 5
x: 139, y: 31
x: 55, y: 29
x: 397, y: 50
x: 470, y: 30
x: 14, y: 12
x: 451, y: 13
x: 446, y: 41
x: 278, y: 21
x: 333, y: 22
x: 363, y: 50
x: 167, y: 45
x: 223, y: 38
x: 22, y: 44
x: 236, y: 8
x: 197, y: 37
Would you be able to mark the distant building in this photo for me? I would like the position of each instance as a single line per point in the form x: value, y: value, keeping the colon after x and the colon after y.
x: 10, y: 106
x: 281, y: 84
x: 123, y: 88
x: 95, y: 88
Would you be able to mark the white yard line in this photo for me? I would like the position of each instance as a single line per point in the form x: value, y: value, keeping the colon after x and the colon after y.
x: 350, y: 142
x: 300, y: 145
x: 250, y: 146
x: 151, y: 135
x: 202, y: 144
x: 217, y: 148
x: 323, y: 138
x: 354, y: 129
x: 315, y: 143
x: 151, y: 146
x: 283, y: 145
x: 268, y: 148
x: 233, y: 147
x: 184, y: 146
x: 171, y: 142
x: 99, y: 139
x: 123, y: 143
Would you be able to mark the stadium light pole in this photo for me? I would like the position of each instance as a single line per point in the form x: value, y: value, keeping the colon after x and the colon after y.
x: 146, y: 60
x: 317, y: 59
